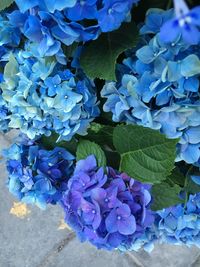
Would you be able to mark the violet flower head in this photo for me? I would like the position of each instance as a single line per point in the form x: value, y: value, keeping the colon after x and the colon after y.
x: 121, y: 220
x: 186, y: 24
x: 106, y: 208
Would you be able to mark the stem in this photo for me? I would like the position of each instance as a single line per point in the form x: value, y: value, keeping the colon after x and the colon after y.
x: 186, y: 184
x: 169, y: 4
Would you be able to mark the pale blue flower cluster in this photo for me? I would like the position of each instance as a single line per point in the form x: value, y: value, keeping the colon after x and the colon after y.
x: 9, y: 39
x: 179, y: 225
x: 42, y: 96
x: 158, y: 87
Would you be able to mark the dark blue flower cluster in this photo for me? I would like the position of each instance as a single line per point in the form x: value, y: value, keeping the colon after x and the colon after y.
x: 108, y: 209
x: 158, y: 87
x: 50, y: 23
x: 42, y: 96
x: 38, y: 176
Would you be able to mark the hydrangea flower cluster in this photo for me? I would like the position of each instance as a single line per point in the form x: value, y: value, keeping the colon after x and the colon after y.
x: 42, y: 96
x: 180, y: 225
x: 50, y: 23
x: 36, y: 175
x: 177, y: 225
x: 158, y: 87
x: 10, y: 38
x: 108, y: 209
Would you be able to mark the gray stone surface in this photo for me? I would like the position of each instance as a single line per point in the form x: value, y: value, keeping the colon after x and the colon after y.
x: 168, y: 255
x: 36, y: 241
x: 24, y: 242
x: 76, y: 254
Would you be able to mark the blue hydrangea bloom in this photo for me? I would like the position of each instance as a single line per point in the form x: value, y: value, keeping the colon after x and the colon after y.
x: 158, y: 87
x: 82, y: 10
x: 51, y: 23
x: 186, y: 24
x: 9, y: 40
x: 109, y: 210
x: 4, y: 116
x: 179, y: 225
x: 113, y: 14
x: 10, y: 37
x: 9, y: 34
x: 41, y: 96
x: 49, y: 5
x: 38, y: 176
x: 40, y: 37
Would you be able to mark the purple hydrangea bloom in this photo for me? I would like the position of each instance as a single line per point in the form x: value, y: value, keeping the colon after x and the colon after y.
x: 107, y: 208
x: 121, y: 220
x: 186, y: 24
x: 36, y: 175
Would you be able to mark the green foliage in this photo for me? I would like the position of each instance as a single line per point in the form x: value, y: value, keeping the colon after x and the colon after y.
x: 86, y: 148
x: 101, y: 134
x: 51, y: 142
x: 100, y: 56
x: 146, y: 155
x: 5, y: 3
x: 176, y: 177
x: 165, y: 196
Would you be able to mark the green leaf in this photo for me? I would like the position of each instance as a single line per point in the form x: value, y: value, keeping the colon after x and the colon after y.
x: 176, y: 177
x: 87, y: 148
x: 51, y: 141
x: 101, y: 134
x: 100, y: 56
x: 113, y: 159
x: 165, y: 196
x: 5, y: 3
x: 146, y: 155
